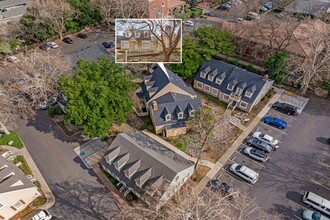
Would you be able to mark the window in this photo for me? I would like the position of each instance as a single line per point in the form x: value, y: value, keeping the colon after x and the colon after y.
x: 214, y: 91
x: 199, y: 85
x: 146, y: 33
x: 225, y: 97
x: 18, y: 204
x: 207, y: 88
x: 192, y: 113
x: 154, y: 5
x: 238, y: 91
x: 145, y: 45
x: 124, y: 44
x: 218, y: 81
x: 203, y: 74
x: 230, y: 87
x: 180, y: 115
x: 137, y: 34
x: 248, y: 94
x: 163, y: 3
x: 168, y: 117
x: 243, y: 104
x: 210, y: 78
x: 127, y: 34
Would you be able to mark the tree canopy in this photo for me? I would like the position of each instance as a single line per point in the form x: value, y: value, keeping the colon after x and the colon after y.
x: 98, y: 95
x: 278, y: 66
x: 202, y: 44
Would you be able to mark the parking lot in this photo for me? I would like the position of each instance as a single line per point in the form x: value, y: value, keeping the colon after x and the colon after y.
x: 300, y: 163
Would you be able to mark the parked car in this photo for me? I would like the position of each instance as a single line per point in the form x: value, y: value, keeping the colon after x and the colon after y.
x: 68, y: 40
x: 189, y: 23
x: 226, y: 6
x: 53, y: 101
x: 328, y: 140
x: 45, y: 47
x: 266, y: 138
x: 256, y: 154
x: 276, y: 122
x: 263, y: 9
x: 253, y: 15
x: 254, y: 142
x: 285, y: 108
x: 42, y: 215
x: 216, y: 184
x: 82, y: 36
x: 3, y: 63
x: 311, y: 215
x: 12, y: 59
x: 52, y: 45
x: 268, y: 5
x: 108, y: 44
x: 245, y: 173
x: 43, y: 105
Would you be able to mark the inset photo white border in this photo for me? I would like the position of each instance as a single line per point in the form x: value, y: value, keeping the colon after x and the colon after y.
x: 148, y: 38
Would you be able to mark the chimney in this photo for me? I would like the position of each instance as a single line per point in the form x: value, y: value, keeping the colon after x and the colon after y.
x: 265, y: 77
x: 154, y: 105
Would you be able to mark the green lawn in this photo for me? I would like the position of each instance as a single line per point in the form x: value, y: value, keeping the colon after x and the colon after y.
x: 24, y: 166
x: 4, y: 140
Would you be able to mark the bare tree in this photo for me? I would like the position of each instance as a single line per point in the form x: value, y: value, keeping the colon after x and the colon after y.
x: 31, y: 82
x: 210, y: 205
x: 55, y: 13
x: 315, y: 67
x: 108, y: 10
x: 131, y: 9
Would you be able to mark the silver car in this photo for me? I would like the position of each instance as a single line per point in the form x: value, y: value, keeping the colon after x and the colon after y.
x: 256, y: 154
x: 266, y: 138
x: 311, y: 215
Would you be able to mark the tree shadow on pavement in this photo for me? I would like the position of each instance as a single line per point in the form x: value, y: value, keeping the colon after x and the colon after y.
x: 323, y: 140
x: 80, y: 200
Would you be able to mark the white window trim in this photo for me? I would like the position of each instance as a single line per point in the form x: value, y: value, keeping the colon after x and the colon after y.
x: 121, y: 44
x: 199, y: 83
x: 146, y: 34
x: 192, y: 113
x: 249, y: 96
x: 216, y: 91
x: 232, y: 87
x: 146, y: 42
x: 218, y: 81
x: 20, y: 203
x: 203, y: 74
x: 137, y: 34
x: 240, y: 104
x: 224, y: 97
x: 168, y: 117
x: 127, y: 34
x: 210, y: 78
x: 180, y: 115
x: 209, y: 90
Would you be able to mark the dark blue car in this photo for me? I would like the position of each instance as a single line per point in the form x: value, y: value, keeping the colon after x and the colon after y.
x: 276, y: 122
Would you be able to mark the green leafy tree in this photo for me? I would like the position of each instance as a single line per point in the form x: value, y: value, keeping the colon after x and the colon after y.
x: 14, y: 44
x: 191, y: 59
x: 5, y: 48
x: 193, y: 3
x: 279, y: 66
x: 98, y: 96
x: 88, y: 13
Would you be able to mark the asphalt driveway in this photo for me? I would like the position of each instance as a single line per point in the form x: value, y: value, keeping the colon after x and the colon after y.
x: 78, y: 192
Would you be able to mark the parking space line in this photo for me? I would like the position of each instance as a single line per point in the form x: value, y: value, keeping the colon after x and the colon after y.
x: 251, y: 159
x: 276, y: 129
x: 289, y: 126
x: 320, y: 184
x: 238, y: 178
x: 326, y: 154
x: 322, y: 175
x: 297, y: 217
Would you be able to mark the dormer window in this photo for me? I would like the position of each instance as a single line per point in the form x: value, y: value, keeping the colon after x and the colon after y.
x: 192, y: 113
x: 218, y: 81
x: 210, y: 78
x: 146, y: 33
x: 203, y: 74
x: 127, y: 34
x: 137, y: 34
x: 230, y: 87
x: 168, y: 117
x: 248, y: 94
x: 180, y: 115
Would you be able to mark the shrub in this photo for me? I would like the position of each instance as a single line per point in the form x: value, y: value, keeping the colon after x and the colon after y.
x: 55, y: 110
x: 326, y: 85
x: 129, y: 197
x: 182, y: 145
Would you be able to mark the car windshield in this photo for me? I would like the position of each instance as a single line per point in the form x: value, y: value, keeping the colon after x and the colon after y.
x: 258, y: 153
x: 316, y: 216
x: 238, y: 167
x: 273, y: 140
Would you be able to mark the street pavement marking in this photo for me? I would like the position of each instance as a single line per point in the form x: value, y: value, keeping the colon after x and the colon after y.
x: 326, y: 154
x: 297, y: 217
x: 276, y: 129
x: 251, y: 159
x: 238, y: 178
x: 320, y: 184
x: 322, y: 175
x: 289, y: 116
x: 290, y: 126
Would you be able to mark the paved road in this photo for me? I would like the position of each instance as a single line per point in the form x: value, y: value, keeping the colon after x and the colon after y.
x: 78, y: 193
x: 297, y: 165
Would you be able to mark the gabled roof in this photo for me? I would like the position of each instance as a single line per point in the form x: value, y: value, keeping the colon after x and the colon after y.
x: 237, y: 76
x: 12, y: 178
x: 148, y: 162
x: 314, y: 7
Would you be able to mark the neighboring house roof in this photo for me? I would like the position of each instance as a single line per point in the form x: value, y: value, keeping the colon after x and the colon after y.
x: 230, y: 74
x: 311, y: 7
x: 303, y: 36
x: 146, y: 159
x: 12, y: 178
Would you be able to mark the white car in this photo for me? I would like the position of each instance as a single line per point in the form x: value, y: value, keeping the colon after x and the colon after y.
x: 12, y: 59
x: 311, y: 215
x: 245, y: 173
x: 189, y: 23
x: 266, y: 138
x: 42, y: 215
x: 52, y: 45
x: 256, y: 154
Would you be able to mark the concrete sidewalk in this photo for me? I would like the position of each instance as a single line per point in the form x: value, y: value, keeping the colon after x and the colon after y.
x: 221, y: 162
x: 36, y: 173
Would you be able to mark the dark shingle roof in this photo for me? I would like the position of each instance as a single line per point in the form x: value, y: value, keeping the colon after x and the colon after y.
x: 232, y: 75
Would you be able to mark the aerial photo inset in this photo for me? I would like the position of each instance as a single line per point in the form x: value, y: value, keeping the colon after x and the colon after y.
x: 148, y: 40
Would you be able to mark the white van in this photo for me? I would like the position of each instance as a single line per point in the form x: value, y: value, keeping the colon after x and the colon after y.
x: 317, y: 202
x: 245, y: 173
